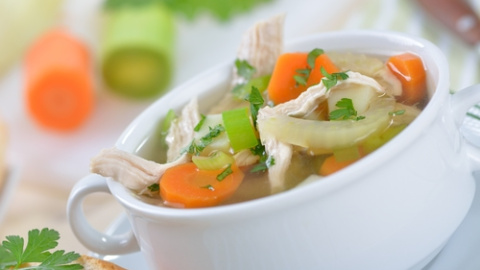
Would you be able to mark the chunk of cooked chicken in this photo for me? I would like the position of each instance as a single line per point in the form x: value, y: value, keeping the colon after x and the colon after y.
x: 260, y: 46
x: 130, y: 170
x: 299, y: 107
x: 137, y: 173
x: 181, y: 132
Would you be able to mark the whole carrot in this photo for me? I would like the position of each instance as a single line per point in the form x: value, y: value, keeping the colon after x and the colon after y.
x: 59, y: 88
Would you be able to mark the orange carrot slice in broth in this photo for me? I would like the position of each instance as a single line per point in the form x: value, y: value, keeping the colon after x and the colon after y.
x: 190, y: 187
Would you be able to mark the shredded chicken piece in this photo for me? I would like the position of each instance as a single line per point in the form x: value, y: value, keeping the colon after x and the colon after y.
x: 299, y: 107
x: 130, y: 170
x: 245, y: 158
x: 260, y: 46
x: 137, y: 173
x: 181, y: 132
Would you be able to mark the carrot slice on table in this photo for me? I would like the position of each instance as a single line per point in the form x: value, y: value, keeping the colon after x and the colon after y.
x: 332, y: 165
x: 190, y: 187
x: 408, y: 68
x: 59, y: 92
x: 283, y: 87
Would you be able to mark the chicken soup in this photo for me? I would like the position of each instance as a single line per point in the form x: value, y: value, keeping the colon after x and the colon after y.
x: 286, y: 117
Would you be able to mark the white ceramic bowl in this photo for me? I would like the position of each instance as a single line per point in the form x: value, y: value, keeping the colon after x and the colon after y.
x: 394, y: 209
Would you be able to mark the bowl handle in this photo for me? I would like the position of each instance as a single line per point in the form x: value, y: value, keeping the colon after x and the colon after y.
x: 462, y: 102
x: 91, y: 238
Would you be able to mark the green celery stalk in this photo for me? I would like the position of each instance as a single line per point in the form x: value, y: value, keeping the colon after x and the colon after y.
x: 239, y: 129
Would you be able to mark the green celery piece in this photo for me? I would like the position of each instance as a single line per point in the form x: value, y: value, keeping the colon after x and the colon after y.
x: 239, y: 129
x: 137, y: 49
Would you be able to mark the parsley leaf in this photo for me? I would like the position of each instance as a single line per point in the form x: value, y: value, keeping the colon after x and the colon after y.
x: 154, y: 187
x: 13, y: 254
x: 346, y: 111
x: 312, y: 56
x: 228, y: 170
x: 244, y: 69
x: 256, y: 102
x: 195, y: 148
x: 209, y: 187
x: 304, y: 73
x: 200, y: 123
x: 266, y: 161
x: 331, y: 80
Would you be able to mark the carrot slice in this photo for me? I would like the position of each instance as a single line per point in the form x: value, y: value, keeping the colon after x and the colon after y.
x: 59, y: 92
x: 283, y: 87
x: 190, y: 187
x: 408, y: 68
x: 332, y: 165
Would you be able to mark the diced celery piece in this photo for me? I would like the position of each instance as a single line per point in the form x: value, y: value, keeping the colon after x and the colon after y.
x: 239, y: 129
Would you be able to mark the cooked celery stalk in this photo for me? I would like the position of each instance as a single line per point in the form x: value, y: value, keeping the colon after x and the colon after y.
x: 239, y: 129
x: 137, y: 49
x: 329, y: 134
x: 215, y: 161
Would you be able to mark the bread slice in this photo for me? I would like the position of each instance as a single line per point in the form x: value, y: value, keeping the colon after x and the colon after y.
x: 91, y: 263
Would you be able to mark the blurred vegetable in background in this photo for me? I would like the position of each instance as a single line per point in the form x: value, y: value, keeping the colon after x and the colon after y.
x: 137, y: 43
x: 136, y: 48
x: 220, y: 9
x: 21, y: 22
x: 59, y: 87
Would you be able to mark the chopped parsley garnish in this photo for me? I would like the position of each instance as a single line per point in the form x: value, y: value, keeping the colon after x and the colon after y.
x: 266, y: 161
x: 395, y: 113
x: 244, y: 69
x: 200, y: 123
x: 154, y: 187
x: 209, y: 187
x: 345, y: 111
x: 196, y: 148
x: 13, y: 254
x: 256, y: 102
x: 330, y: 80
x: 304, y: 73
x: 228, y: 170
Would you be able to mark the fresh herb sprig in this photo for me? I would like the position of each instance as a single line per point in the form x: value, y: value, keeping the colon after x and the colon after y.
x: 345, y: 111
x: 14, y: 255
x: 256, y: 102
x: 195, y: 148
x: 226, y: 172
x: 304, y: 73
x: 331, y: 79
x: 265, y: 161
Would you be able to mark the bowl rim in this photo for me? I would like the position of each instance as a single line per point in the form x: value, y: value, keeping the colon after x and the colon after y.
x: 300, y: 195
